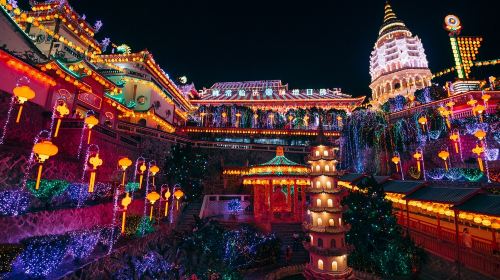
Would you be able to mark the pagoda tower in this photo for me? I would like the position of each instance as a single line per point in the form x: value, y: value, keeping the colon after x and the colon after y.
x: 398, y: 65
x: 327, y: 247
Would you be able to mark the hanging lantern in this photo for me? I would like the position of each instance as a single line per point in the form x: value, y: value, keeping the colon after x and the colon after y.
x: 479, y: 109
x: 90, y: 121
x: 23, y: 94
x: 202, y: 115
x: 418, y: 157
x: 445, y: 114
x: 43, y: 151
x: 152, y: 197
x: 444, y: 155
x: 95, y: 161
x: 472, y: 102
x: 142, y: 168
x: 486, y: 97
x: 480, y: 134
x: 422, y: 121
x: 339, y: 121
x: 411, y: 97
x: 478, y: 150
x: 124, y: 163
x: 125, y: 203
x: 306, y: 120
x: 154, y: 169
x: 255, y: 116
x: 178, y: 194
x: 63, y: 111
x: 167, y: 197
x: 396, y: 159
x: 455, y: 137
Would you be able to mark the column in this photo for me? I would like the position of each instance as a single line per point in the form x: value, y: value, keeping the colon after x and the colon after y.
x: 295, y: 201
x: 271, y: 191
x: 289, y: 197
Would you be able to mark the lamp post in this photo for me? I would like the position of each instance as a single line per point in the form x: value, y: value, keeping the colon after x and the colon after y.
x: 444, y: 155
x: 125, y: 203
x: 95, y: 161
x: 63, y: 110
x: 154, y: 169
x: 23, y: 94
x: 152, y: 197
x: 43, y: 151
x: 396, y: 159
x: 167, y: 197
x: 178, y: 195
x: 124, y: 163
x: 90, y: 121
x: 142, y: 168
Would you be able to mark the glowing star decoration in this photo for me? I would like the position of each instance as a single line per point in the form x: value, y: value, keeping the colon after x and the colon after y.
x: 168, y: 194
x: 125, y: 203
x: 178, y: 194
x: 95, y: 162
x: 124, y: 163
x: 90, y: 122
x: 43, y: 151
x: 152, y: 197
x: 154, y: 169
x: 480, y: 134
x: 478, y: 150
x: 142, y: 168
x: 423, y: 122
x: 23, y: 94
x: 418, y: 157
x: 62, y: 110
x: 444, y: 155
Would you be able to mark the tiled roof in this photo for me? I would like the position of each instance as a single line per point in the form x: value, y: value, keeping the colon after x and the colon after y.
x: 279, y: 160
x: 450, y: 195
x: 402, y: 187
x: 482, y: 203
x: 351, y: 177
x: 381, y: 179
x: 262, y: 95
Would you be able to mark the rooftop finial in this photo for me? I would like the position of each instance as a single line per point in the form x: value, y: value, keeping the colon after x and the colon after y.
x: 389, y: 13
x: 391, y: 22
x: 279, y: 151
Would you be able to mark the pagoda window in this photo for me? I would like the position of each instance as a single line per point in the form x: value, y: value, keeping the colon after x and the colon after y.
x: 329, y: 184
x: 325, y: 153
x: 317, y: 153
x: 241, y: 92
x: 320, y: 242
x: 320, y: 222
x: 327, y: 168
x: 317, y: 167
x: 334, y: 266
x: 333, y: 243
x: 215, y: 92
x: 340, y: 221
x: 320, y: 264
x: 312, y: 239
x: 318, y: 184
x: 318, y: 202
x: 330, y: 202
x: 228, y: 92
x: 331, y: 222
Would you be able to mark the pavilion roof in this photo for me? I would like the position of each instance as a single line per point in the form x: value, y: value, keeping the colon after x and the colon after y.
x: 402, y: 187
x: 450, y: 195
x: 488, y: 204
x: 352, y: 177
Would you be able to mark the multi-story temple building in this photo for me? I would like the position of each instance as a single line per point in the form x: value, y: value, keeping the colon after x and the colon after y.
x: 398, y: 65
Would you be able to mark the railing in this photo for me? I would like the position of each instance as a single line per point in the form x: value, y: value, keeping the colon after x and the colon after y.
x: 102, y: 130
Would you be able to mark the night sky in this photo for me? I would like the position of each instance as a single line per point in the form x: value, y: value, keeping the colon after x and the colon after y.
x: 307, y: 44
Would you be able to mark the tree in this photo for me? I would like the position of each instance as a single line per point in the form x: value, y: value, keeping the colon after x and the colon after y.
x: 186, y: 167
x: 379, y: 245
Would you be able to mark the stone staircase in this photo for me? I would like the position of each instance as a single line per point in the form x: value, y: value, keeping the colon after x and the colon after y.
x: 186, y: 221
x: 285, y: 232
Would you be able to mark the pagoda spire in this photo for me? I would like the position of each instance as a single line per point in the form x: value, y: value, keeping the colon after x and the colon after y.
x: 389, y: 13
x: 391, y: 21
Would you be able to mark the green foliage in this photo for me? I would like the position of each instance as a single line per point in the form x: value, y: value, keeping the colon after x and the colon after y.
x: 131, y: 225
x: 188, y: 168
x: 48, y: 189
x: 145, y: 227
x: 131, y: 186
x: 379, y: 246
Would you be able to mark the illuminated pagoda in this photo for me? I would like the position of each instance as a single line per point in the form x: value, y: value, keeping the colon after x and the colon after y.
x: 278, y: 189
x: 327, y: 247
x: 269, y: 104
x: 398, y: 65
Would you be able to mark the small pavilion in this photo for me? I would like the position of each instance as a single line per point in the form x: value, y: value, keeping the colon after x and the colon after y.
x: 278, y: 189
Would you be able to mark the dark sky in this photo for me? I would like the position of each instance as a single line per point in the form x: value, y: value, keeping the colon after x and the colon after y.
x: 308, y: 44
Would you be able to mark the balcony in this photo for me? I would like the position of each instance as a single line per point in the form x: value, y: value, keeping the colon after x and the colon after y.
x: 327, y: 251
x: 325, y: 229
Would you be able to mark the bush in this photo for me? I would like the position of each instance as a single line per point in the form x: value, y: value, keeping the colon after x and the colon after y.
x: 8, y: 252
x: 43, y: 254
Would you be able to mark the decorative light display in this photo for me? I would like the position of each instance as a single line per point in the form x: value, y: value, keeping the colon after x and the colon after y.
x: 478, y: 150
x: 142, y: 168
x: 167, y: 197
x: 23, y: 94
x: 178, y: 194
x: 152, y: 197
x: 90, y: 121
x: 154, y: 169
x: 423, y: 122
x: 125, y: 203
x: 229, y: 130
x: 7, y: 119
x: 396, y: 159
x: 13, y: 202
x: 42, y: 255
x: 62, y: 110
x: 444, y: 155
x: 95, y: 161
x: 418, y: 156
x: 124, y: 163
x: 43, y: 151
x: 455, y: 137
x: 83, y: 243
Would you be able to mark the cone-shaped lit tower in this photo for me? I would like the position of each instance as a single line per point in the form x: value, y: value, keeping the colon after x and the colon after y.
x: 327, y: 247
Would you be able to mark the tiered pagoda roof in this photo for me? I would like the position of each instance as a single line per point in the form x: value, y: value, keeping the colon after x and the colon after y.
x: 278, y: 166
x: 391, y: 22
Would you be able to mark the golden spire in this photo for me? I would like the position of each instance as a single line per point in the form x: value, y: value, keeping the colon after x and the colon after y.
x: 389, y: 14
x: 391, y: 22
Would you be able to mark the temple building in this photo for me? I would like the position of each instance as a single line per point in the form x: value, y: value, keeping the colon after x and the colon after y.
x: 327, y: 247
x: 398, y: 65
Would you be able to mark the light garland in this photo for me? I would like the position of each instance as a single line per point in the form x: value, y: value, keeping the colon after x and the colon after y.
x: 293, y: 132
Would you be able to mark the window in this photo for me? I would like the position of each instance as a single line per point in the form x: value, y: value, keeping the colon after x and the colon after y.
x: 309, y: 91
x: 269, y: 91
x: 320, y: 222
x: 327, y: 168
x: 340, y: 221
x: 331, y: 222
x: 322, y: 91
x: 317, y: 167
x: 320, y: 264
x: 295, y: 92
x: 325, y: 153
x: 320, y: 242
x: 318, y: 202
x: 215, y: 92
x: 329, y: 184
x: 334, y: 266
x: 317, y: 153
x: 228, y: 92
x: 312, y: 239
x: 241, y: 92
x: 318, y: 184
x: 330, y: 202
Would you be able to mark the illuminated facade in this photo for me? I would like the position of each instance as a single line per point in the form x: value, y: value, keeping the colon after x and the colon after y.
x: 398, y: 65
x: 327, y: 247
